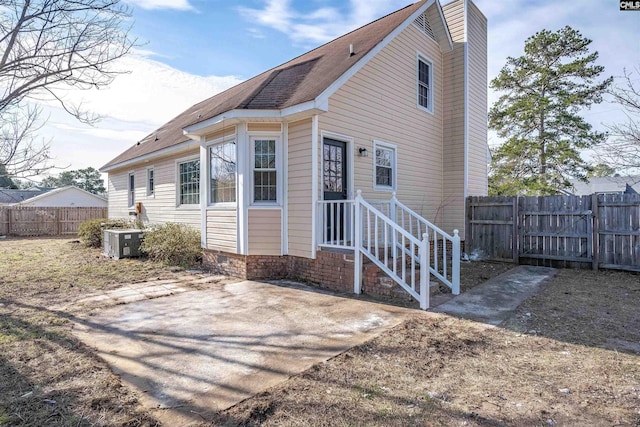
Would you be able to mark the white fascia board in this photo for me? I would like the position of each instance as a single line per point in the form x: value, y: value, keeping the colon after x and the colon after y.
x: 446, y: 27
x: 323, y: 98
x: 168, y: 150
x: 312, y: 107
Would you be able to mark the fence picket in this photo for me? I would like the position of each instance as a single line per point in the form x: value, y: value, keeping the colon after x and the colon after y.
x: 598, y: 231
x: 45, y: 221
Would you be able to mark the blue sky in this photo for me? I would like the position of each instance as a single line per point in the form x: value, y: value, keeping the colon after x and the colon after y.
x: 193, y: 49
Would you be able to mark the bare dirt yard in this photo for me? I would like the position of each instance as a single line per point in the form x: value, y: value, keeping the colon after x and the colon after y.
x: 569, y: 356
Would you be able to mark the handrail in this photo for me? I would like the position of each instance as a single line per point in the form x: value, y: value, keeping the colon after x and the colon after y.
x: 440, y: 259
x: 383, y: 239
x: 395, y: 238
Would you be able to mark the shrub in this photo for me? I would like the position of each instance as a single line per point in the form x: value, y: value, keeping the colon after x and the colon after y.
x: 173, y: 244
x: 91, y: 231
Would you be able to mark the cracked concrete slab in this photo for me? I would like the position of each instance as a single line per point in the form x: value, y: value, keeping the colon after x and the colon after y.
x: 194, y: 353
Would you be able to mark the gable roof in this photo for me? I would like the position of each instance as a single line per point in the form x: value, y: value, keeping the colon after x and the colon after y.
x: 295, y: 82
x: 56, y: 191
x: 10, y: 196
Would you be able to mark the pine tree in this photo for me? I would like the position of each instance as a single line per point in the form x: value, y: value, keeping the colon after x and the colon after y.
x: 537, y: 114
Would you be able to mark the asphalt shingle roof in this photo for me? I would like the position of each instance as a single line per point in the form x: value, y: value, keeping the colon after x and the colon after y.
x: 300, y: 80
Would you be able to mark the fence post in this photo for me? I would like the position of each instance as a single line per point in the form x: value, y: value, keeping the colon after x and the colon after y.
x: 515, y: 238
x: 424, y: 271
x: 468, y: 232
x: 357, y: 253
x: 595, y: 241
x: 455, y: 264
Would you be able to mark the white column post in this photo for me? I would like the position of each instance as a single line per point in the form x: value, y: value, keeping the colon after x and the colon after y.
x: 424, y: 272
x: 455, y: 264
x: 357, y: 244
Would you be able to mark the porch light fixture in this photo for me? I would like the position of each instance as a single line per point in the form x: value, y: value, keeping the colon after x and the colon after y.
x: 363, y: 152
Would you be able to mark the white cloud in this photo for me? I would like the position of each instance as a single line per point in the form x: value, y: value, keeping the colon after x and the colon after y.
x: 133, y: 106
x: 151, y: 92
x: 319, y: 25
x: 162, y: 4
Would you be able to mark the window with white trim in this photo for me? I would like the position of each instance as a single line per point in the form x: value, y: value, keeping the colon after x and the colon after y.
x: 265, y: 174
x: 189, y: 182
x: 132, y: 189
x: 425, y: 84
x: 385, y: 166
x: 222, y: 178
x: 150, y: 182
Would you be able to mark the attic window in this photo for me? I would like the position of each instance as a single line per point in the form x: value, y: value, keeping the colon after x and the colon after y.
x: 422, y: 23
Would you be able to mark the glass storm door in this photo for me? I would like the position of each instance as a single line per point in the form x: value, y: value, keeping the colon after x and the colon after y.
x: 334, y: 173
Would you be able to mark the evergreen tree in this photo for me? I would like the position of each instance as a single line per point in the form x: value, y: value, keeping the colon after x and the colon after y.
x: 88, y: 179
x: 537, y: 114
x: 5, y: 179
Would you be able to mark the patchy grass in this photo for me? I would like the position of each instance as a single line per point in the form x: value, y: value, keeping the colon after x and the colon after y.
x: 569, y: 356
x: 48, y: 377
x: 437, y: 370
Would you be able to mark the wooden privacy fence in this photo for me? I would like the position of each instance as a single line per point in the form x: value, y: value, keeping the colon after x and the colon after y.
x: 45, y: 221
x: 598, y: 231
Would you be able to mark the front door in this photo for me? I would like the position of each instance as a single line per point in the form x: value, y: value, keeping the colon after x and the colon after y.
x: 334, y: 173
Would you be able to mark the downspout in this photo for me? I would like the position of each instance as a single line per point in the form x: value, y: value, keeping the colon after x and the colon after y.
x: 203, y: 193
x: 285, y: 189
x: 466, y: 104
x: 314, y: 185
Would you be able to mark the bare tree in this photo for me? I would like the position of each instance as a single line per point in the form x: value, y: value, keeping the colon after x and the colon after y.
x: 622, y: 149
x: 20, y: 153
x: 47, y: 46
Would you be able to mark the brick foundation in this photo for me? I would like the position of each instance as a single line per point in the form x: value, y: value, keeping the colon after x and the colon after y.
x: 330, y: 270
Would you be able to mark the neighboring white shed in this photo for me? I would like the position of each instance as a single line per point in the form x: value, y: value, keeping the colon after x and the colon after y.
x: 606, y: 185
x: 70, y: 196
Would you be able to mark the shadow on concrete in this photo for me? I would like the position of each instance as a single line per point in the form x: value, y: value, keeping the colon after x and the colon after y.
x: 194, y: 354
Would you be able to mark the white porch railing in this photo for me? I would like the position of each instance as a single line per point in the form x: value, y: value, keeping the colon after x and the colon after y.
x: 336, y: 223
x: 395, y: 238
x: 442, y: 241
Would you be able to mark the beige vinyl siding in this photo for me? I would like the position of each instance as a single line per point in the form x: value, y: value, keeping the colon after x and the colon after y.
x: 264, y: 127
x: 222, y: 229
x: 477, y: 51
x: 265, y: 232
x: 160, y: 207
x: 299, y: 189
x: 438, y: 27
x: 118, y: 194
x: 453, y: 121
x: 226, y: 131
x: 379, y: 103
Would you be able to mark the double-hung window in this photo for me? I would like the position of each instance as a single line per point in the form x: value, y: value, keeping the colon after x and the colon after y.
x: 222, y: 159
x: 265, y: 173
x: 189, y: 182
x: 425, y: 83
x: 385, y: 165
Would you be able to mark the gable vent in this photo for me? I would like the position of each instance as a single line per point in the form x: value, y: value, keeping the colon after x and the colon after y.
x: 423, y: 25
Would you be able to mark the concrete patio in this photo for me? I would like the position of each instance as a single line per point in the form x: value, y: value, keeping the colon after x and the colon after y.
x: 196, y: 352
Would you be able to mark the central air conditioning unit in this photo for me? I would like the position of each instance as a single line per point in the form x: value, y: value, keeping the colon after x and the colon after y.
x: 122, y: 243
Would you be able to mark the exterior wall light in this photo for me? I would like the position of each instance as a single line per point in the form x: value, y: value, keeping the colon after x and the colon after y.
x: 363, y: 152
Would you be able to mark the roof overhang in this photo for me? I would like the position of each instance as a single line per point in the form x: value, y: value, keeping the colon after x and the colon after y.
x: 146, y: 157
x: 295, y: 112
